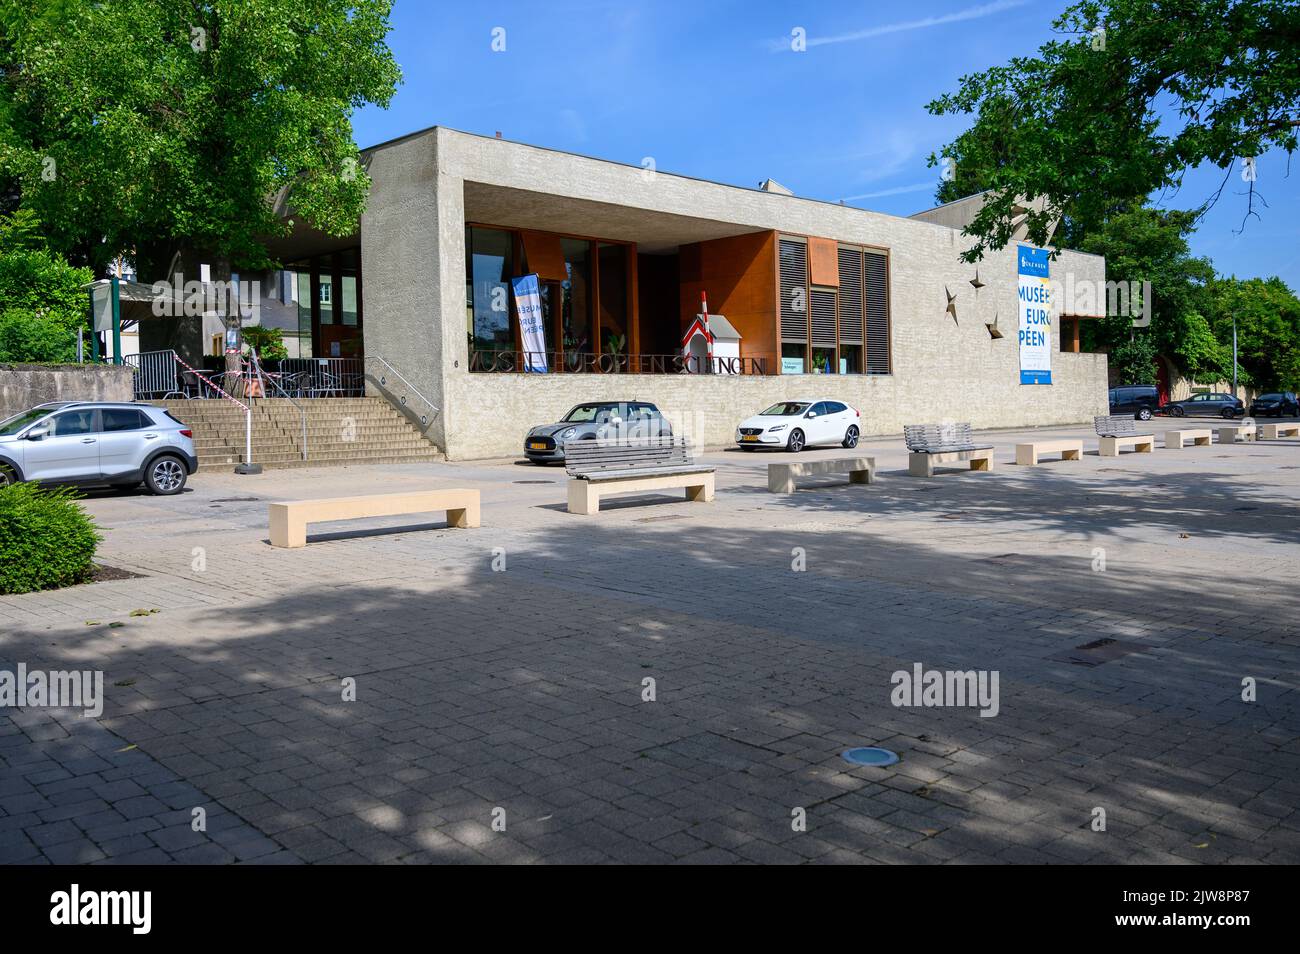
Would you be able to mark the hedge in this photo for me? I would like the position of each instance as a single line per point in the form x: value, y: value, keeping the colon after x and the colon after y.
x: 46, y: 539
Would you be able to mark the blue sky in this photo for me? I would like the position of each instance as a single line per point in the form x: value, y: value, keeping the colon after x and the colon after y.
x: 711, y: 89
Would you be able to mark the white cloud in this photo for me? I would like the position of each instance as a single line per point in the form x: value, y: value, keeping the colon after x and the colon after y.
x: 959, y: 16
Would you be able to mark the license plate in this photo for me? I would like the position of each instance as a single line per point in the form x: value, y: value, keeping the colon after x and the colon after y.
x: 749, y: 437
x: 537, y: 445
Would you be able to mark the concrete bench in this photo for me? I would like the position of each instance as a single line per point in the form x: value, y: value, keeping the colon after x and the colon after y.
x: 1271, y: 432
x: 289, y: 519
x: 781, y: 477
x: 932, y: 444
x: 1027, y: 454
x: 600, y: 468
x: 1229, y: 435
x: 1117, y: 431
x: 1200, y: 437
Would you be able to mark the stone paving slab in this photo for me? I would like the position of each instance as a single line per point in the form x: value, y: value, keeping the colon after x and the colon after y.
x: 482, y: 695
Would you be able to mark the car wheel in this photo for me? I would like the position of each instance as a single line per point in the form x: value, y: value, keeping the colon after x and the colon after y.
x: 1144, y: 414
x: 1176, y: 411
x: 1228, y: 414
x: 166, y: 476
x: 796, y: 442
x: 7, y: 475
x: 851, y: 437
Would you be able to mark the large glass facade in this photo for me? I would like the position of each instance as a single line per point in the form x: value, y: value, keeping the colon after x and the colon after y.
x: 586, y: 314
x: 489, y: 254
x: 327, y: 290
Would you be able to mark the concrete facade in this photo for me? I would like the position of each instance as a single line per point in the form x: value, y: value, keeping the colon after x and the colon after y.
x: 427, y: 186
x: 26, y: 385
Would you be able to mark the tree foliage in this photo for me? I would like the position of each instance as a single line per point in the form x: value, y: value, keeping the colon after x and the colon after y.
x: 1098, y: 121
x: 157, y: 126
x: 42, y: 299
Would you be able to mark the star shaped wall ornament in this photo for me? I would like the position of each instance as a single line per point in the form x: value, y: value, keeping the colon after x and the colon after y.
x: 992, y: 326
x: 952, y: 305
x: 975, y: 282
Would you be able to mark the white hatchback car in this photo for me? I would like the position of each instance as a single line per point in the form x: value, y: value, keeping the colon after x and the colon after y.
x: 794, y: 425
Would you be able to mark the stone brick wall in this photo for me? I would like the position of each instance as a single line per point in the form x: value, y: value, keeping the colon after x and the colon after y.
x: 26, y: 385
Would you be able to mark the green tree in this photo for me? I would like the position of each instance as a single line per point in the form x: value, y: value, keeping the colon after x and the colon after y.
x: 160, y: 128
x: 1138, y: 92
x: 42, y: 299
x: 1268, y: 330
x: 1147, y: 245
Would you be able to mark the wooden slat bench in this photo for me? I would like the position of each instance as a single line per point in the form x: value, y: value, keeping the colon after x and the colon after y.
x: 1272, y: 432
x: 598, y: 468
x: 289, y: 519
x: 1117, y: 431
x: 1229, y: 435
x: 1199, y: 436
x: 1027, y: 454
x: 932, y: 444
x: 781, y: 477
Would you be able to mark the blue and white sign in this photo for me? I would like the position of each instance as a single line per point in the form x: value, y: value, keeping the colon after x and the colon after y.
x: 528, y: 302
x: 1035, y: 307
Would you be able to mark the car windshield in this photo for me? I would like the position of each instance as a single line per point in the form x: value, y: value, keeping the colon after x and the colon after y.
x: 787, y: 409
x: 1269, y: 397
x: 11, y: 426
x: 591, y: 412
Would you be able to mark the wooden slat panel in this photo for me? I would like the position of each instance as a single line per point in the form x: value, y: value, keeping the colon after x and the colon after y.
x: 823, y: 317
x: 850, y: 300
x: 877, y: 313
x: 793, y: 266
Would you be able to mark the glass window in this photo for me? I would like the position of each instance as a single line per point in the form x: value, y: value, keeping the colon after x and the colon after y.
x: 613, y: 298
x: 122, y: 419
x: 850, y: 359
x: 793, y: 358
x: 576, y: 300
x: 301, y: 290
x: 13, y: 425
x: 73, y: 422
x: 591, y: 412
x: 490, y: 264
x: 823, y: 361
x: 786, y: 409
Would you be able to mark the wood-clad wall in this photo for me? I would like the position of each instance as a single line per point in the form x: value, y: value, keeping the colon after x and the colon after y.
x: 739, y: 275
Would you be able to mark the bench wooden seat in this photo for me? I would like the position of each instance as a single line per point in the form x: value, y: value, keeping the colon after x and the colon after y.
x: 1027, y: 454
x: 1229, y: 435
x: 1272, y: 432
x: 600, y: 468
x: 1199, y: 436
x: 1117, y: 431
x: 289, y: 519
x: 931, y: 444
x: 781, y: 477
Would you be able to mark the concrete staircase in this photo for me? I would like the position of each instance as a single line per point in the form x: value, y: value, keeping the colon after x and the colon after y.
x: 339, y: 431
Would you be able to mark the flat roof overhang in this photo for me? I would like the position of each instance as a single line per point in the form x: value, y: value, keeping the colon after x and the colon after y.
x: 653, y: 232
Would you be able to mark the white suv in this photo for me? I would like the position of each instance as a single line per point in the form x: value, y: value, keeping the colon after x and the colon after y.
x: 92, y: 442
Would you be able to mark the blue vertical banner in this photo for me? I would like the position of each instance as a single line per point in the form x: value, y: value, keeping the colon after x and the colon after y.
x: 528, y: 303
x: 1035, y: 308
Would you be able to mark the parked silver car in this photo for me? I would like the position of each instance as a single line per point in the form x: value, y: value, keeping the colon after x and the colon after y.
x: 85, y: 442
x: 612, y: 420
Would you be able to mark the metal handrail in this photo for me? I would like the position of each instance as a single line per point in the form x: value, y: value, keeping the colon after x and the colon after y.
x: 262, y: 378
x: 382, y: 380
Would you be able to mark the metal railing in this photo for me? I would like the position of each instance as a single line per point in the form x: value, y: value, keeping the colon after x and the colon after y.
x: 570, y: 362
x: 157, y: 375
x: 323, y: 377
x: 255, y: 368
x: 384, y: 374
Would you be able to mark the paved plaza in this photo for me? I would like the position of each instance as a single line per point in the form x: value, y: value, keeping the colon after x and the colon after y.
x: 500, y: 674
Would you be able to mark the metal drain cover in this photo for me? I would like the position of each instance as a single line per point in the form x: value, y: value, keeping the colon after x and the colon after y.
x: 869, y: 755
